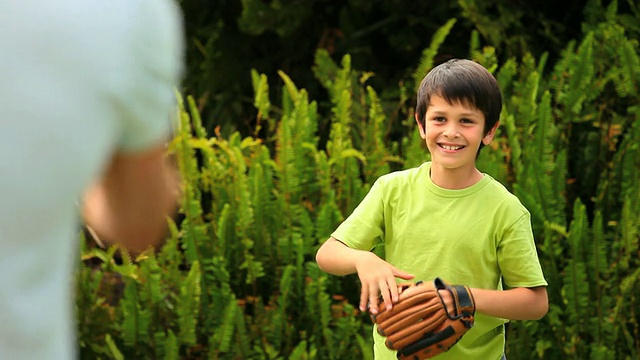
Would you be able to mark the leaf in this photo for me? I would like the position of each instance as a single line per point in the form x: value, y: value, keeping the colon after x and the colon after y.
x: 117, y: 355
x: 426, y: 60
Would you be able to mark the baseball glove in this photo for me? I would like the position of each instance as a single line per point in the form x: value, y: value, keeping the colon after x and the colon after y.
x: 419, y: 326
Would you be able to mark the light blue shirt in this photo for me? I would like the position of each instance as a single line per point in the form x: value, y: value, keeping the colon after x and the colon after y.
x: 80, y: 80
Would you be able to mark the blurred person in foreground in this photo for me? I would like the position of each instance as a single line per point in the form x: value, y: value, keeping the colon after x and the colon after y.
x: 86, y: 97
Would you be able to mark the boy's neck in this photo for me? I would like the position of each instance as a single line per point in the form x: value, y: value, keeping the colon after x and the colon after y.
x: 454, y: 179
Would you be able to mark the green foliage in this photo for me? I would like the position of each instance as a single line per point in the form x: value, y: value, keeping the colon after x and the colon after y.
x: 236, y: 276
x: 384, y: 37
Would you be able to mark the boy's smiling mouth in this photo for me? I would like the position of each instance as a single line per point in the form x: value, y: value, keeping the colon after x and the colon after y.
x: 451, y: 147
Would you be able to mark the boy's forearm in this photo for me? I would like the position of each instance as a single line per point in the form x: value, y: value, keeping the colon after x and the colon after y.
x: 336, y: 258
x: 513, y: 304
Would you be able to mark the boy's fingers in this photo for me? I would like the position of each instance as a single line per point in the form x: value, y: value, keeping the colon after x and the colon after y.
x: 402, y: 274
x: 386, y: 297
x: 373, y: 295
x: 394, y: 292
x: 373, y: 304
x: 364, y: 296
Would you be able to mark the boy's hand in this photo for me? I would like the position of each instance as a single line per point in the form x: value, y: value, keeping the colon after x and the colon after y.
x: 378, y: 277
x: 447, y: 300
x: 425, y: 321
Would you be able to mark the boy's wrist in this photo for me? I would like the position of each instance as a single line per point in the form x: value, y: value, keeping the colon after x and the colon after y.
x: 361, y: 257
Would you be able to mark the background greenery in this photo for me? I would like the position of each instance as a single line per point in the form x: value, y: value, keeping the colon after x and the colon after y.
x: 296, y: 107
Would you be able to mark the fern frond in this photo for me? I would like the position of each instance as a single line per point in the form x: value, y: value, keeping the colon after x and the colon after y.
x: 558, y: 228
x: 188, y: 306
x: 339, y: 138
x: 597, y: 254
x: 374, y: 140
x: 581, y: 75
x: 261, y: 96
x: 171, y: 348
x: 113, y: 348
x: 300, y: 352
x: 278, y: 323
x: 540, y: 157
x: 342, y: 81
x: 506, y: 74
x: 542, y: 62
x: 194, y: 234
x: 196, y: 121
x: 255, y: 268
x: 561, y: 72
x: 151, y: 275
x: 304, y: 128
x: 324, y: 303
x: 630, y: 231
x: 289, y: 85
x: 244, y: 205
x: 262, y: 200
x: 622, y: 303
x: 130, y: 314
x: 222, y: 337
x: 627, y: 284
x: 328, y: 218
x: 225, y: 230
x: 415, y: 150
x: 514, y: 144
x: 303, y: 224
x: 597, y: 261
x: 348, y: 153
x: 324, y: 68
x: 285, y: 158
x: 426, y: 60
x: 474, y: 43
x: 576, y: 286
x: 244, y: 340
x: 527, y: 109
x: 612, y: 11
x: 629, y: 73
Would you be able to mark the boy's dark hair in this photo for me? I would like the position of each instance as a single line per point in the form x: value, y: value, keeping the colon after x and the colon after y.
x: 462, y: 81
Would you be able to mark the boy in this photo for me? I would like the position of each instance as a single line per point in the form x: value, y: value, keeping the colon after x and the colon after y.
x: 447, y: 219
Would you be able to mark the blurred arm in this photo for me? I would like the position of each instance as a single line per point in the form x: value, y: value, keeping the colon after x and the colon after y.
x: 129, y: 204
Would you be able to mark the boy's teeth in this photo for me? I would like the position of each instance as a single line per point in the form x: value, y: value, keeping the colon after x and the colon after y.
x: 447, y: 147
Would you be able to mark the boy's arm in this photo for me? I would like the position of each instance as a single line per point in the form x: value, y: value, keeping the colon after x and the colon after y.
x: 513, y: 304
x: 130, y: 203
x: 376, y: 275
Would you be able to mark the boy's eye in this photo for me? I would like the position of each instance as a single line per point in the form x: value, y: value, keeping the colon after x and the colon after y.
x: 466, y: 121
x: 439, y: 119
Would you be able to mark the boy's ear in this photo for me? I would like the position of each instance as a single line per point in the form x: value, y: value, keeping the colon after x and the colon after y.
x: 486, y: 140
x: 420, y: 127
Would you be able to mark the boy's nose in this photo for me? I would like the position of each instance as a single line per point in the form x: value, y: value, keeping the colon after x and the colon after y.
x: 451, y: 132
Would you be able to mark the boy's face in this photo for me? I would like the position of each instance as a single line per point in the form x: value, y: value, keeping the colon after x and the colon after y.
x: 453, y: 133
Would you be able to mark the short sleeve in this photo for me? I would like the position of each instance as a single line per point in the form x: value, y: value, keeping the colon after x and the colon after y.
x: 517, y: 256
x: 157, y: 47
x: 364, y: 228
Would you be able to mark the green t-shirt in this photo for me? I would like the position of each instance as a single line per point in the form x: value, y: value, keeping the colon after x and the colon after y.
x: 478, y: 236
